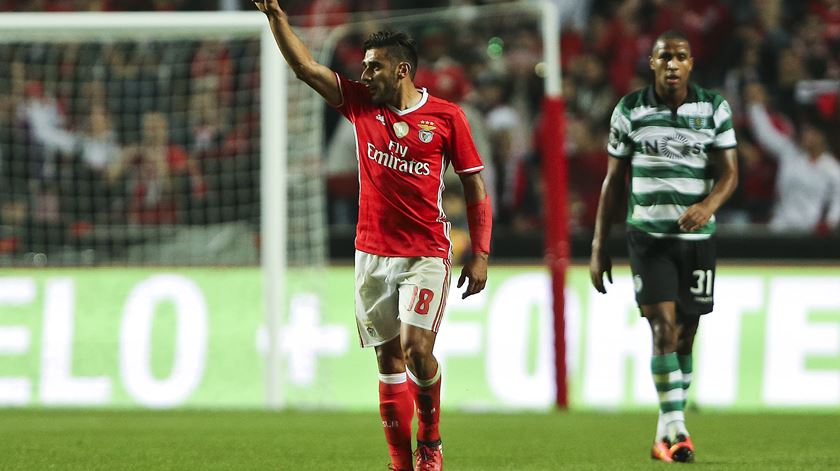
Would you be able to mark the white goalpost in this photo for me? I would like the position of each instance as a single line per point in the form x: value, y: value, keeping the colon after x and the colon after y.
x: 23, y: 30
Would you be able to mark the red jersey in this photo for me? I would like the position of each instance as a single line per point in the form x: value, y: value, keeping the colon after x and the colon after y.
x: 402, y: 156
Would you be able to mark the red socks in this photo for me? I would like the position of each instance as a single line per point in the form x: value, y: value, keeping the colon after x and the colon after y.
x: 396, y: 406
x: 426, y: 393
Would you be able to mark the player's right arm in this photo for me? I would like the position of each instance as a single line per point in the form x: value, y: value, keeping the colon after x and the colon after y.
x: 613, y: 189
x: 612, y: 192
x: 317, y: 76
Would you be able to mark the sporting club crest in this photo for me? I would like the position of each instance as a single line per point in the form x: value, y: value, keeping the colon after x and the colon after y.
x: 697, y: 122
x: 425, y: 134
x: 401, y: 129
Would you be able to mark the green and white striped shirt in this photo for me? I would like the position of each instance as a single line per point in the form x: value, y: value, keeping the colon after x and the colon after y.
x: 669, y: 155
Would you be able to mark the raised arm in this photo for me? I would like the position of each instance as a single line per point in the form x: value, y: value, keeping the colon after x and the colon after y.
x: 480, y: 219
x: 317, y: 76
x: 768, y: 137
x: 613, y: 190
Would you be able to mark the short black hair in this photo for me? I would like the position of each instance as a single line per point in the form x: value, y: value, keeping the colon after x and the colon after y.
x: 399, y: 44
x: 669, y: 35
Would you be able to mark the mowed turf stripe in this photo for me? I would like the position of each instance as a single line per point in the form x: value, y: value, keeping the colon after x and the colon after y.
x: 102, y: 440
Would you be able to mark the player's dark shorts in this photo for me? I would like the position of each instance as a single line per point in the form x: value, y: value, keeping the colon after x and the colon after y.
x: 671, y: 269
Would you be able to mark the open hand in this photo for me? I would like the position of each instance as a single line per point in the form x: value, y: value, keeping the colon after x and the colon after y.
x: 600, y: 264
x: 268, y: 6
x: 474, y: 270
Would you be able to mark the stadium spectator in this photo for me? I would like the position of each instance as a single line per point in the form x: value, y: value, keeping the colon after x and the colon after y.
x: 509, y: 142
x: 162, y: 182
x: 829, y: 11
x: 437, y: 71
x: 808, y: 182
x: 708, y: 26
x: 47, y: 121
x: 593, y: 97
x: 98, y: 151
x: 587, y: 163
x: 342, y: 176
x: 212, y: 71
x: 14, y: 206
x: 329, y: 13
x: 450, y: 79
x: 625, y: 43
x: 747, y: 68
x: 757, y: 188
x: 97, y: 141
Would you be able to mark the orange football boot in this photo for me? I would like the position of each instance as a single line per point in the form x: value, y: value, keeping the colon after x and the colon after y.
x: 661, y: 451
x: 682, y: 451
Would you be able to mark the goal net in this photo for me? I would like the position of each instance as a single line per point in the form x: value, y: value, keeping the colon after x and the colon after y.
x: 135, y: 139
x: 160, y: 139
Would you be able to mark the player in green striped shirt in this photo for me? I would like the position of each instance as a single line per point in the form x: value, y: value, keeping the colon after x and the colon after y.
x: 677, y: 142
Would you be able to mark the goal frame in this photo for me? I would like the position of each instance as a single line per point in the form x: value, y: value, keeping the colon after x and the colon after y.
x: 100, y: 26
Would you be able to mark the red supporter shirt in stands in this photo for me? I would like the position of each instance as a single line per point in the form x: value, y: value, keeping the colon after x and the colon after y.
x: 402, y: 158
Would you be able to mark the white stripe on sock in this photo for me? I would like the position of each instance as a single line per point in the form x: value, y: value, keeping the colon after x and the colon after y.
x: 661, y: 429
x: 673, y: 395
x: 672, y: 377
x: 396, y: 378
x: 423, y: 383
x: 673, y: 416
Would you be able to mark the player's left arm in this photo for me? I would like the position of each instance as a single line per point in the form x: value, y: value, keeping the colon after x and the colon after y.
x: 480, y: 219
x: 725, y: 165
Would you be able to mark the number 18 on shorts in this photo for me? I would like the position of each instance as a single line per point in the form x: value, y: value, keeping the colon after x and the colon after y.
x: 392, y: 290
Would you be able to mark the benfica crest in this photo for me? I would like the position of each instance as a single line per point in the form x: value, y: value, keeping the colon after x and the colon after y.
x: 401, y: 129
x: 425, y: 134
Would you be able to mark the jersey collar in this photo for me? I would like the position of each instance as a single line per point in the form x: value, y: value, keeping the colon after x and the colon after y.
x: 416, y: 107
x: 653, y: 100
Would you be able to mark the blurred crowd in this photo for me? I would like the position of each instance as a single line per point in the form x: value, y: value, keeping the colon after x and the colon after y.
x: 187, y: 155
x: 95, y: 136
x: 776, y: 61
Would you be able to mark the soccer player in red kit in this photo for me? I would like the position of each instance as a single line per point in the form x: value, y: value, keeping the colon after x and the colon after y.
x: 405, y: 140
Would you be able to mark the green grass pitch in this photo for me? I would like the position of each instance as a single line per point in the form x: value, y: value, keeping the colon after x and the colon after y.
x: 300, y: 441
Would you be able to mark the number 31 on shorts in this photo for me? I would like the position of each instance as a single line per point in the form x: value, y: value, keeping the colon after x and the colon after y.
x: 704, y: 280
